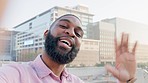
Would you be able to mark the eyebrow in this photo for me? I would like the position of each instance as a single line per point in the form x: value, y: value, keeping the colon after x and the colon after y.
x: 71, y: 22
x: 65, y: 20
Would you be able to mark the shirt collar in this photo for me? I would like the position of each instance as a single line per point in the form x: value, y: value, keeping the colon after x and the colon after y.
x: 65, y: 73
x: 42, y: 70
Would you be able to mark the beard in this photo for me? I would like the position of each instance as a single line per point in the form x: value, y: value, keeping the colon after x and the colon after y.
x: 51, y: 45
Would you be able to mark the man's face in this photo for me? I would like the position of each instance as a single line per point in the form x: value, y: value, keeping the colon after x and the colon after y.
x: 64, y: 39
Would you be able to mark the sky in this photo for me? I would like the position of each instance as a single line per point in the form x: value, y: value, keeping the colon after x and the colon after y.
x: 18, y: 11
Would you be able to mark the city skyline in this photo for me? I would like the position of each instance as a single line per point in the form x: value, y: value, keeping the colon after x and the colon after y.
x: 30, y: 38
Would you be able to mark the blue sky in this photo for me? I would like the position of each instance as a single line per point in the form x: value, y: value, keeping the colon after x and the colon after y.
x: 18, y: 11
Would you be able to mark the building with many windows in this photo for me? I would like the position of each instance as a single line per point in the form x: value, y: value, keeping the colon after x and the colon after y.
x: 107, y: 29
x: 30, y: 41
x: 105, y: 33
x: 97, y: 45
x: 7, y: 44
x: 137, y: 32
x: 88, y: 54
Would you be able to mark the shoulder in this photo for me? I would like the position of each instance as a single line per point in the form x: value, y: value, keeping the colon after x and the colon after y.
x: 14, y: 72
x: 9, y: 73
x: 14, y: 69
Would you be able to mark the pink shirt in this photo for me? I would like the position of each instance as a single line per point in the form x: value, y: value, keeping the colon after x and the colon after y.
x: 34, y: 72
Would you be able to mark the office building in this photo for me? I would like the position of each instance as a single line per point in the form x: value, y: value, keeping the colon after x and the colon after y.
x: 107, y: 29
x: 88, y: 54
x: 30, y: 41
x: 105, y: 33
x: 7, y: 44
x: 137, y: 32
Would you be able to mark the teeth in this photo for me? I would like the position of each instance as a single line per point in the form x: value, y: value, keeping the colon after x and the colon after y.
x: 66, y: 42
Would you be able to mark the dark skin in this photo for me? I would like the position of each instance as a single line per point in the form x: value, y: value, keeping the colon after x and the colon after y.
x: 65, y: 26
x: 125, y: 68
x: 71, y: 26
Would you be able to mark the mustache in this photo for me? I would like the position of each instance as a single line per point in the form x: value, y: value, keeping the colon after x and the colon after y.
x: 69, y: 37
x: 51, y: 46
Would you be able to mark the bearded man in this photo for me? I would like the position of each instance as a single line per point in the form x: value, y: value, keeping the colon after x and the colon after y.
x: 62, y: 43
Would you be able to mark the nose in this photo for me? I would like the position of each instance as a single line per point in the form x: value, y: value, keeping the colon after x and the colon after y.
x: 70, y: 32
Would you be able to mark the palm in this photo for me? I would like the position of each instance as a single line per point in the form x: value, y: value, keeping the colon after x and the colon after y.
x: 125, y: 61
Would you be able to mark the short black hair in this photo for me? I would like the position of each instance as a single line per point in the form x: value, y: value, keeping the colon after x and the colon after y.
x: 63, y: 16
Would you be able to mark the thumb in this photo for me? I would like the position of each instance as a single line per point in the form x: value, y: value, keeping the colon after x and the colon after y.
x: 112, y: 70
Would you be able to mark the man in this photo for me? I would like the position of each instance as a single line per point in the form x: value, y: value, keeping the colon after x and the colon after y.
x: 62, y: 43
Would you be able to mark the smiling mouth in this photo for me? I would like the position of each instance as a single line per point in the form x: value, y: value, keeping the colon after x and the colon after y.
x: 66, y: 42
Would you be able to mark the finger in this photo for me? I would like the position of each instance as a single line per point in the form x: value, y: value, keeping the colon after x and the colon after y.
x: 124, y: 44
x: 117, y: 51
x: 134, y: 48
x: 116, y: 47
x: 127, y: 37
x: 112, y: 70
x: 117, y: 65
x: 122, y: 40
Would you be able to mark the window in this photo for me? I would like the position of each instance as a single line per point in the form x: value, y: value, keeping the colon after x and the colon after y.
x: 30, y: 25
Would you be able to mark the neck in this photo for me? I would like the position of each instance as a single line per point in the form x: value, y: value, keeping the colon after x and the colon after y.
x: 53, y: 66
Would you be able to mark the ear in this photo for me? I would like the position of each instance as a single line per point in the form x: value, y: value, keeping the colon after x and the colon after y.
x: 46, y: 33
